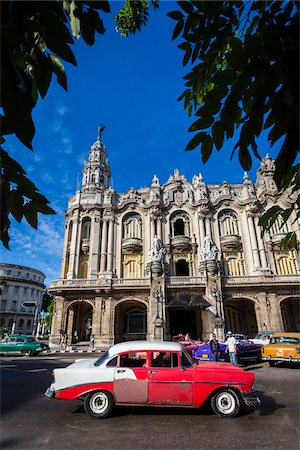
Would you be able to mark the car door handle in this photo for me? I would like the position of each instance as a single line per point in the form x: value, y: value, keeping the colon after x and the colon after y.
x: 153, y: 371
x: 121, y: 370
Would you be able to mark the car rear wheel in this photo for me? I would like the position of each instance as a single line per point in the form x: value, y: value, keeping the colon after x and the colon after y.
x: 225, y: 403
x: 27, y: 352
x: 99, y: 404
x: 271, y: 363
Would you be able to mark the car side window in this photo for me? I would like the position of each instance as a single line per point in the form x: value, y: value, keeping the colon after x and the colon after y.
x: 133, y: 359
x: 20, y: 340
x: 164, y: 359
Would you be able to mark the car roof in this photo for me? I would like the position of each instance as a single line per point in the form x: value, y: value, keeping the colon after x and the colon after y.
x: 19, y: 336
x: 286, y: 333
x: 144, y: 345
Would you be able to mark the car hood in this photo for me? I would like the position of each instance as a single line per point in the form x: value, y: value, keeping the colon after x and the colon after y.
x: 209, y: 365
x: 81, y: 363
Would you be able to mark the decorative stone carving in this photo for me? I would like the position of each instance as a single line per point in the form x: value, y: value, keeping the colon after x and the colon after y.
x: 209, y: 251
x: 157, y: 256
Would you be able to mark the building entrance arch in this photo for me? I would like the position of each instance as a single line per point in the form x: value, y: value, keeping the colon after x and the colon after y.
x: 240, y: 316
x: 79, y: 322
x: 130, y: 321
x: 290, y: 310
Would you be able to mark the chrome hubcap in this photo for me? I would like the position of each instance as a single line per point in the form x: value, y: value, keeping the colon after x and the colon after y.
x: 225, y: 403
x: 99, y: 402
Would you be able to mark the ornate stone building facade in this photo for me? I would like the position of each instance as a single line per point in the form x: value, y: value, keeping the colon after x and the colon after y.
x: 173, y: 258
x: 19, y: 284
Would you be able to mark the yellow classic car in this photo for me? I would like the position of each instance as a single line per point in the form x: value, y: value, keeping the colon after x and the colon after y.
x: 282, y: 347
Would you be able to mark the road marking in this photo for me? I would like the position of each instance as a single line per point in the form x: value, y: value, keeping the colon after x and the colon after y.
x: 8, y: 365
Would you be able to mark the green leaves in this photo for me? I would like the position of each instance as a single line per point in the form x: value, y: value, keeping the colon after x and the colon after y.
x: 35, y: 40
x: 218, y: 135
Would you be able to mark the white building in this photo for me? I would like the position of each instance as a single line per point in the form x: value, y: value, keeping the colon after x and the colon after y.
x: 173, y: 258
x: 20, y: 284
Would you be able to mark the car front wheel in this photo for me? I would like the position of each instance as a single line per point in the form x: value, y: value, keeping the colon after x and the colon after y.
x: 98, y: 404
x: 225, y: 403
x: 271, y: 363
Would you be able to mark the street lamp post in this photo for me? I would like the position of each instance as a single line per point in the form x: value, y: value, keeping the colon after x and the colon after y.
x: 159, y: 320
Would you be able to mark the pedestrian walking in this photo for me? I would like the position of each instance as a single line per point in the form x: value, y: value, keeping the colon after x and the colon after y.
x: 214, y: 348
x: 231, y: 347
x: 92, y: 343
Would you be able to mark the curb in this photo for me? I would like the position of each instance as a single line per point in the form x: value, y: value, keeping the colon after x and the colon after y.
x: 47, y: 352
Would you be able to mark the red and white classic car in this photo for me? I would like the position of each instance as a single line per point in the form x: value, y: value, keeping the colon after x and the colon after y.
x: 153, y: 373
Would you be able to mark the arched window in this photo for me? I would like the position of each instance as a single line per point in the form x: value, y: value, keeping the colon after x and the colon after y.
x: 83, y: 267
x: 132, y: 266
x: 28, y: 323
x: 2, y: 322
x: 86, y: 229
x: 132, y: 226
x: 234, y: 264
x: 286, y: 263
x: 279, y: 227
x: 134, y: 321
x: 182, y: 268
x: 180, y: 224
x: 228, y: 223
x: 21, y: 323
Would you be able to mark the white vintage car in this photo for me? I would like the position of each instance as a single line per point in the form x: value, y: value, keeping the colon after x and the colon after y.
x: 153, y: 373
x: 262, y: 338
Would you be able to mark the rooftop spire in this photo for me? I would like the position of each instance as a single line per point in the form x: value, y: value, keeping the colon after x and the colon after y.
x: 96, y: 172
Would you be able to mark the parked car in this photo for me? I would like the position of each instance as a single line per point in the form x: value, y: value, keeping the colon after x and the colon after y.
x: 189, y: 344
x: 246, y: 351
x: 282, y: 347
x: 262, y: 338
x: 152, y: 373
x: 24, y: 344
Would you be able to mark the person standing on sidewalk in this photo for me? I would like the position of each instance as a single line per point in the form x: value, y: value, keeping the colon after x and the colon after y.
x: 214, y: 348
x: 231, y: 347
x: 92, y: 343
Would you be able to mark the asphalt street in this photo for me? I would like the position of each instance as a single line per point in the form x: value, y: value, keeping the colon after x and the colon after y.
x: 31, y: 421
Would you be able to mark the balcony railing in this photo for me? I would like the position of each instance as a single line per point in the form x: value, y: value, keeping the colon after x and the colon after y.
x: 83, y: 283
x: 261, y: 279
x: 175, y: 281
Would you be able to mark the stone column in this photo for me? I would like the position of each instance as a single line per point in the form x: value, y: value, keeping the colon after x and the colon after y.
x: 107, y: 325
x: 110, y: 252
x: 57, y: 320
x: 73, y: 250
x: 69, y: 327
x: 253, y: 242
x: 152, y: 231
x: 158, y: 225
x: 263, y: 318
x: 261, y: 248
x: 207, y: 226
x: 202, y: 230
x: 103, y: 246
x: 94, y: 246
x: 275, y: 313
x: 96, y: 320
x: 65, y: 250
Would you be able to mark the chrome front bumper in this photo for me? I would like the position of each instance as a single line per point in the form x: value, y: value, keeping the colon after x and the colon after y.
x: 251, y: 398
x: 279, y: 358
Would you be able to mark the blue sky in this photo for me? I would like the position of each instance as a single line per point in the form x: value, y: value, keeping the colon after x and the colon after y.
x: 131, y: 85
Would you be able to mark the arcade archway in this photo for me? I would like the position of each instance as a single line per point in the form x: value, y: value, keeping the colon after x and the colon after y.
x: 290, y: 310
x: 240, y: 317
x: 79, y: 322
x: 130, y: 321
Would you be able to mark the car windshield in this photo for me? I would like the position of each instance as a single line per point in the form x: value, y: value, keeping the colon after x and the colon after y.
x: 186, y: 360
x: 102, y: 359
x: 284, y: 340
